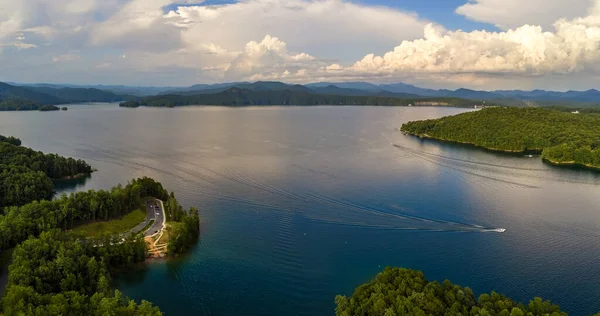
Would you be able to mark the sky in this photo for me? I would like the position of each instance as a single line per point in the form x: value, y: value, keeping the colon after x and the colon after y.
x: 478, y: 44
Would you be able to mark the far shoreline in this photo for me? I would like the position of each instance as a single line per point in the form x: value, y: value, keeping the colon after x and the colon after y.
x: 519, y: 153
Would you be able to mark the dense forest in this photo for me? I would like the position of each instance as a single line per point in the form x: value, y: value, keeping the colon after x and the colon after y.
x: 397, y: 291
x: 23, y: 105
x: 185, y: 226
x: 17, y: 223
x: 561, y: 137
x: 25, y: 174
x: 244, y: 97
x: 20, y: 185
x: 57, y: 274
x: 54, y: 166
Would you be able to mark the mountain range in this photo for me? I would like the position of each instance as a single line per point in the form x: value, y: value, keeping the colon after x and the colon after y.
x: 53, y: 94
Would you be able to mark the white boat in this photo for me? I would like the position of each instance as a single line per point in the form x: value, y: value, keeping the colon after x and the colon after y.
x: 500, y: 230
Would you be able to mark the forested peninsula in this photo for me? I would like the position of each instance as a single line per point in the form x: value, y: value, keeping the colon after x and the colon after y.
x: 245, y: 97
x: 55, y: 271
x: 562, y: 138
x: 397, y: 291
x: 26, y: 175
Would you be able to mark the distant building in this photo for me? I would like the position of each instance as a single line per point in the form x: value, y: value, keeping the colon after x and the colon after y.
x: 432, y: 103
x: 576, y: 112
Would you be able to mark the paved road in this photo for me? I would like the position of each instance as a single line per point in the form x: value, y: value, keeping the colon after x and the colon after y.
x: 159, y: 219
x: 153, y: 212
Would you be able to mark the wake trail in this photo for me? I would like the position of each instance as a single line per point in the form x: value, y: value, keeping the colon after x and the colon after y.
x: 466, y: 160
x: 416, y: 229
x: 384, y: 213
x: 473, y: 173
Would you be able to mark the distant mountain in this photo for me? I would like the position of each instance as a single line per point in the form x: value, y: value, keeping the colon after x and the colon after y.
x: 56, y: 94
x: 116, y: 89
x: 406, y: 88
x: 31, y: 97
x: 235, y: 96
x: 347, y: 85
x: 69, y: 95
x: 592, y: 95
x: 10, y: 92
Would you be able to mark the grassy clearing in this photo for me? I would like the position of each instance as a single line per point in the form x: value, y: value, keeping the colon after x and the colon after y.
x: 116, y: 226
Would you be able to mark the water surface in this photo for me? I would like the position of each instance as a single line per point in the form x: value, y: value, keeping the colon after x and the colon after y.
x: 300, y: 204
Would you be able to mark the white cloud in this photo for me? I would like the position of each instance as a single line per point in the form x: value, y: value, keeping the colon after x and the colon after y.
x: 270, y: 56
x: 327, y: 28
x: 297, y: 41
x: 63, y: 58
x: 21, y: 45
x: 507, y: 14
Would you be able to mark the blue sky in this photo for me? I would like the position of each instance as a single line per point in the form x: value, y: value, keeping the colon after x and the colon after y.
x: 430, y: 43
x: 440, y: 11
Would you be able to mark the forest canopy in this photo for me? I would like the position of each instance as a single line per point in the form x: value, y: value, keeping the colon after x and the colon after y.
x: 26, y: 174
x: 397, y: 291
x: 561, y: 137
x: 57, y: 274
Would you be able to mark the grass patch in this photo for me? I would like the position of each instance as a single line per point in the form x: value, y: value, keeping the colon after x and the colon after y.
x: 116, y: 226
x: 5, y: 258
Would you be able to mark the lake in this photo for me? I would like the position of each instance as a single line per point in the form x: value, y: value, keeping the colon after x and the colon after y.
x: 299, y: 204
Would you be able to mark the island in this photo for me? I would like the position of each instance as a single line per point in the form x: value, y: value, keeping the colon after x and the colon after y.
x: 64, y: 108
x: 59, y: 262
x: 398, y: 291
x: 129, y: 104
x: 561, y: 138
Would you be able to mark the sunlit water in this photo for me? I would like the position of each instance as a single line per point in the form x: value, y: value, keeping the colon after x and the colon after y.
x: 300, y: 204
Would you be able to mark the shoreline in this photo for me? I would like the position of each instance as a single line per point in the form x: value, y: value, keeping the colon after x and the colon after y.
x: 75, y: 177
x: 507, y: 151
x: 571, y: 164
x: 566, y: 164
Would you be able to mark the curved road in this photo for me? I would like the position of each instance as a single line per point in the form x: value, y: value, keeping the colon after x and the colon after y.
x: 156, y: 212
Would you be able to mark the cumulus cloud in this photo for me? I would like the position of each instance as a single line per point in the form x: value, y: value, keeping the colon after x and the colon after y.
x: 508, y: 14
x: 63, y: 58
x: 180, y: 42
x: 267, y: 58
x: 327, y: 28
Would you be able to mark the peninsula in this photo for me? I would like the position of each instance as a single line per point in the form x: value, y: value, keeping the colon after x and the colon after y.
x: 57, y: 256
x: 561, y: 138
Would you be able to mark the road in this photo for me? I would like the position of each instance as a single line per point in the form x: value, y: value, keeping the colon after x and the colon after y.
x: 154, y: 211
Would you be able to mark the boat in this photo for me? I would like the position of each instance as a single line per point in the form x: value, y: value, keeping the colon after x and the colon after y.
x: 500, y: 230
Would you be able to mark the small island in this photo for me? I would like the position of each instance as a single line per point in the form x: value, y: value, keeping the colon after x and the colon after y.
x: 64, y: 108
x: 561, y: 138
x: 397, y: 291
x: 129, y: 104
x: 48, y: 108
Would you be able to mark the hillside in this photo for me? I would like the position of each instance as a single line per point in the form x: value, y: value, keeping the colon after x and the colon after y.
x: 19, y: 98
x: 244, y: 97
x: 562, y: 138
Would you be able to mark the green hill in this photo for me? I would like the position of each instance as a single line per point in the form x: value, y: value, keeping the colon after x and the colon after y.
x: 17, y: 98
x: 245, y: 97
x: 560, y: 137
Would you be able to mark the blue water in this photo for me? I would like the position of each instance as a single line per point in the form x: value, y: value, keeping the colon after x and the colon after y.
x: 301, y: 204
